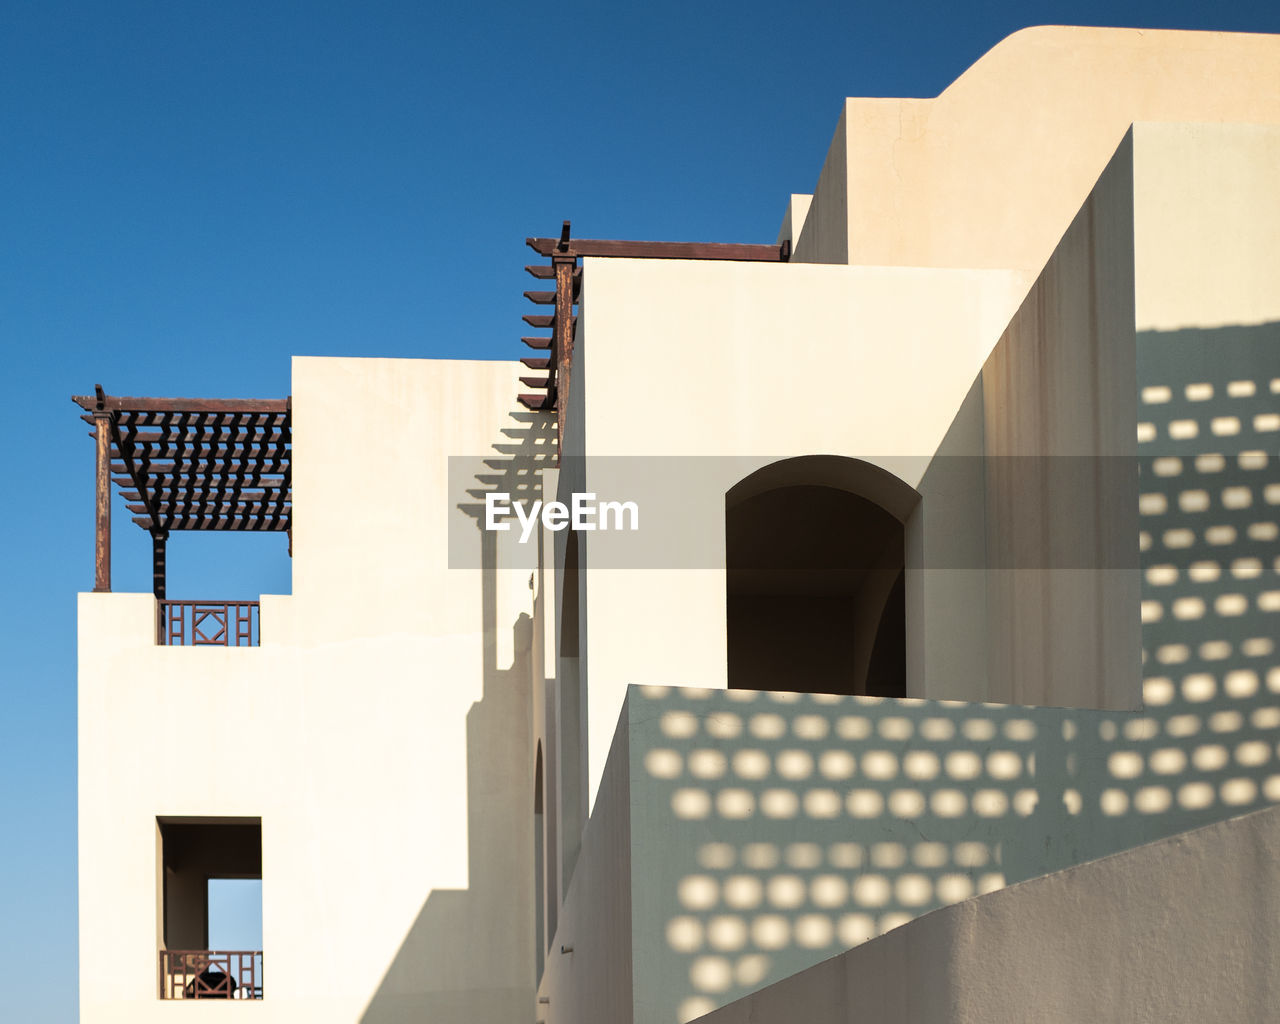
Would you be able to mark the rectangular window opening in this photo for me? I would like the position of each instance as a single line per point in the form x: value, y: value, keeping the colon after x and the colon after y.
x: 210, y: 920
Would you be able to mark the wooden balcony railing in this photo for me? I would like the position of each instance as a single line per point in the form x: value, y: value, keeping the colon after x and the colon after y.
x: 210, y: 974
x: 207, y: 624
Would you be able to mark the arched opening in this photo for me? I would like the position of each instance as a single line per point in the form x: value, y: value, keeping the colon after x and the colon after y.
x: 815, y: 560
x: 540, y: 880
x: 570, y: 734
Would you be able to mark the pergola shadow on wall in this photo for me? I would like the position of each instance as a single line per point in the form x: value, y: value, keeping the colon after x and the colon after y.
x: 451, y: 966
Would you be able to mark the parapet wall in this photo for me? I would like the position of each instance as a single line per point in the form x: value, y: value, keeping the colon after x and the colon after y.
x: 1179, y: 930
x: 989, y: 173
x: 770, y: 831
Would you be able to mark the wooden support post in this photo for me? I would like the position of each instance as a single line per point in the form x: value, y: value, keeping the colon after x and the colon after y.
x: 563, y: 339
x: 102, y: 505
x: 158, y: 539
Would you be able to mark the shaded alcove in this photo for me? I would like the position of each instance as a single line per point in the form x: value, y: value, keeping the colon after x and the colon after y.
x: 571, y: 742
x: 192, y: 852
x: 540, y: 887
x: 815, y: 557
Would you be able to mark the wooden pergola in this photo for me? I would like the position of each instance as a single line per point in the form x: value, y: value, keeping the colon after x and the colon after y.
x: 188, y: 464
x: 564, y: 253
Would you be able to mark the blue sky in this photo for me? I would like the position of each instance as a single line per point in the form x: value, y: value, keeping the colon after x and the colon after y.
x: 192, y: 192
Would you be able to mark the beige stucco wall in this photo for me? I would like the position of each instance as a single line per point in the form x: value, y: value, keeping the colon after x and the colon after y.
x: 384, y: 732
x: 1160, y: 226
x: 382, y: 432
x: 1207, y: 223
x: 1062, y: 379
x: 743, y: 398
x: 793, y: 219
x: 990, y: 172
x: 1023, y: 550
x: 1180, y: 930
x: 1196, y: 245
x: 771, y: 831
x: 824, y: 236
x: 878, y: 364
x: 1207, y: 245
x: 381, y: 732
x: 1059, y: 398
x: 589, y: 957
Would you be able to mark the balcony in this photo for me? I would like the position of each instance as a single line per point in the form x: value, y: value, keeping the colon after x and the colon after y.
x: 210, y: 974
x: 207, y: 623
x: 185, y: 464
x: 749, y: 835
x: 210, y: 881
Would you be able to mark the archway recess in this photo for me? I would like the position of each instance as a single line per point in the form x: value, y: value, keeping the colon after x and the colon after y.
x: 815, y: 559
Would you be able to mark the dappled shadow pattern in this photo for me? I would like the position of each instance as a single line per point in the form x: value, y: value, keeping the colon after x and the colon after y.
x: 773, y: 830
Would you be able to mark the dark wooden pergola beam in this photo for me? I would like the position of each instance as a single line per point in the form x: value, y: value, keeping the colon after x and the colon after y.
x: 246, y: 406
x: 103, y: 427
x: 159, y: 560
x: 565, y: 265
x: 159, y: 535
x: 741, y: 252
x: 173, y: 426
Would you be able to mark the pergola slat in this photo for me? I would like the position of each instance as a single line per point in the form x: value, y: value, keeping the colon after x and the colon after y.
x: 154, y: 465
x: 153, y: 485
x: 255, y: 500
x: 249, y: 523
x: 194, y: 441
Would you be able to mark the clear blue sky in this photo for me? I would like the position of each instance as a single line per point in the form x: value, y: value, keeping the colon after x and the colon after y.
x: 190, y: 192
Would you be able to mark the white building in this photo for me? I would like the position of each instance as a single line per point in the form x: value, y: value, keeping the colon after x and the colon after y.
x: 957, y: 567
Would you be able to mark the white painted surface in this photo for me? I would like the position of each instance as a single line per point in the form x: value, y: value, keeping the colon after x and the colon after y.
x: 384, y: 732
x: 381, y: 732
x: 990, y: 172
x: 1180, y: 931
